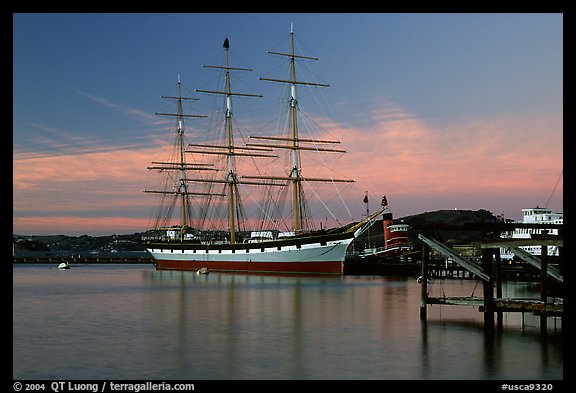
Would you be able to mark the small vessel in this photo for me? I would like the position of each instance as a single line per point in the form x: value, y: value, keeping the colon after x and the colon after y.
x: 64, y: 265
x: 393, y: 257
x: 202, y: 270
x: 396, y: 238
x: 534, y: 215
x: 233, y: 202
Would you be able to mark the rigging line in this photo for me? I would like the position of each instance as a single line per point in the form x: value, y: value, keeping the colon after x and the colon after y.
x: 261, y: 208
x: 324, y: 164
x: 556, y: 185
x: 203, y: 207
x: 337, y: 189
x: 319, y: 97
x: 322, y: 202
x: 305, y: 56
x: 267, y: 206
x: 240, y: 210
x: 272, y: 206
x: 279, y: 204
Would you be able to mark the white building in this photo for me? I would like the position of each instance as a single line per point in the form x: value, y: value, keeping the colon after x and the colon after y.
x: 535, y: 215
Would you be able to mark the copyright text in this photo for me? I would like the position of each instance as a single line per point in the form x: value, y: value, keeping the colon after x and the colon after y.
x: 100, y: 387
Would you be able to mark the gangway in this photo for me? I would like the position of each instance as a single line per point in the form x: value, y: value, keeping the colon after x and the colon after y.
x: 447, y: 252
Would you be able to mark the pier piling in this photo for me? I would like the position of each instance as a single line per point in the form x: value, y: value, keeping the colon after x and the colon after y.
x: 488, y: 286
x: 424, y: 282
x: 544, y: 286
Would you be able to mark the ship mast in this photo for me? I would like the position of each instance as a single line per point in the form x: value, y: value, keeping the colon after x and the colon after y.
x: 294, y: 144
x: 179, y: 164
x: 297, y: 182
x: 230, y: 150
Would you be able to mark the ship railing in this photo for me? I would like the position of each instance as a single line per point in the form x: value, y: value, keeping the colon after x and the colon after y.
x: 407, y: 245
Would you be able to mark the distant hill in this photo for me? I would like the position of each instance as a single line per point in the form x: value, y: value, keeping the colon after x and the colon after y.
x: 133, y: 242
x: 455, y: 218
x: 450, y: 217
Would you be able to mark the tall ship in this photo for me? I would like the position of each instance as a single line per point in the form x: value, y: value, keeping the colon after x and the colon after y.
x: 243, y: 202
x: 534, y: 215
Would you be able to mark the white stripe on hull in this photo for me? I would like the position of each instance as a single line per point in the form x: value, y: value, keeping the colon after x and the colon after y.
x: 330, y: 252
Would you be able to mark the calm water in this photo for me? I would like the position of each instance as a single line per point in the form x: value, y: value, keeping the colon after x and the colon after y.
x: 132, y: 322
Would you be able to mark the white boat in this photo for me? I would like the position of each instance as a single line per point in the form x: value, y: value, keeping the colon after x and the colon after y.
x: 202, y: 270
x: 534, y: 215
x: 202, y: 221
x: 64, y: 266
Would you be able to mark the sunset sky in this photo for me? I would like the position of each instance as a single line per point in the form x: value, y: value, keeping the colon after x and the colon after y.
x: 436, y: 111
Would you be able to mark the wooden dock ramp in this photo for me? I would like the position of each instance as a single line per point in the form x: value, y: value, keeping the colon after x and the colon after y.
x: 489, y: 272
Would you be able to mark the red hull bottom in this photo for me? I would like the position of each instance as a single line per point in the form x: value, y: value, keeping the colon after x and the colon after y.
x: 333, y: 267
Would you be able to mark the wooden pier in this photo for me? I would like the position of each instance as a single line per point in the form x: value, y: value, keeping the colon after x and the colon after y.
x: 489, y: 270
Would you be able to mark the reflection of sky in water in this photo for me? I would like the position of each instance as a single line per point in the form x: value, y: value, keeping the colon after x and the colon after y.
x: 132, y: 322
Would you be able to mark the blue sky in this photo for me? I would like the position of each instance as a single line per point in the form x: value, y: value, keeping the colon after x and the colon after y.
x: 463, y: 110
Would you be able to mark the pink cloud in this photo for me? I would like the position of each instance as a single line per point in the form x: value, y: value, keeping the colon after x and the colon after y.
x: 74, y: 225
x: 501, y: 163
x: 83, y: 184
x: 403, y: 156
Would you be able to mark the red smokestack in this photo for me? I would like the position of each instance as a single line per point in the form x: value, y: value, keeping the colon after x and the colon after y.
x: 386, y: 221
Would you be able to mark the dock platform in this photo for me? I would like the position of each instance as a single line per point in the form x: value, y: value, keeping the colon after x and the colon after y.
x: 489, y: 270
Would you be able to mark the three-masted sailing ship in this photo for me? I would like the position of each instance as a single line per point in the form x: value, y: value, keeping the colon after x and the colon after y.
x: 206, y: 181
